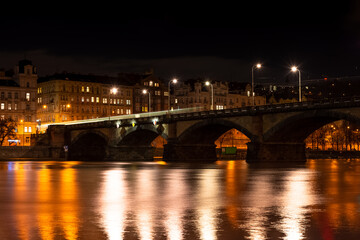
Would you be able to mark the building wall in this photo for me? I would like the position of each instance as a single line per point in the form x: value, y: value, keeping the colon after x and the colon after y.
x: 200, y: 96
x: 67, y: 100
x: 18, y: 101
x: 158, y: 95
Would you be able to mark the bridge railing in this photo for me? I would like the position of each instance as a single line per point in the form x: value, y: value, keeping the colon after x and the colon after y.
x: 199, y: 112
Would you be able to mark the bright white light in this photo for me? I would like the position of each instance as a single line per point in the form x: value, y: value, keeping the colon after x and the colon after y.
x: 144, y: 91
x: 174, y: 80
x: 258, y: 65
x: 294, y: 69
x: 207, y: 83
x: 114, y: 90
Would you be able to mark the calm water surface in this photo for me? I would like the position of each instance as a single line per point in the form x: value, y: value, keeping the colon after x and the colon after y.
x: 224, y: 200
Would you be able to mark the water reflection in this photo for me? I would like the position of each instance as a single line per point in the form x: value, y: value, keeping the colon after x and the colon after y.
x: 297, y: 196
x: 227, y: 200
x: 208, y: 201
x: 175, y: 199
x: 113, y: 204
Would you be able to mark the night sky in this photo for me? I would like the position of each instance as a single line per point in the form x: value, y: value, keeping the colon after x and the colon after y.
x: 217, y: 42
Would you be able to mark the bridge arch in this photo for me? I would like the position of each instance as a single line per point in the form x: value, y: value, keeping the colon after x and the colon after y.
x: 298, y: 127
x: 142, y: 135
x: 90, y: 145
x: 209, y: 130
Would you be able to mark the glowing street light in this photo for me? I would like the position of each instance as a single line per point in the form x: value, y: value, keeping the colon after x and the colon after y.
x: 147, y: 92
x: 208, y: 83
x: 258, y: 66
x: 174, y: 81
x: 114, y: 91
x: 295, y: 69
x: 22, y: 123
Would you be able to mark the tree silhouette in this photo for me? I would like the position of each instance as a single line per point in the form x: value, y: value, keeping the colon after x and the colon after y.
x: 7, y: 129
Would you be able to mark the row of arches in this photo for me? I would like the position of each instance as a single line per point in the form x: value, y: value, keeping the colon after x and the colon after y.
x: 92, y: 145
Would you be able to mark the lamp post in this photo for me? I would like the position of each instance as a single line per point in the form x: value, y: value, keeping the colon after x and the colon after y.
x: 145, y: 92
x: 295, y: 69
x: 258, y: 66
x: 112, y: 91
x: 174, y: 81
x: 208, y: 83
x: 22, y: 123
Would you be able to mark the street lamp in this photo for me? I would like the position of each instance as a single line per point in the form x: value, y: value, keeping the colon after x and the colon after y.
x: 258, y: 66
x: 174, y: 81
x: 112, y: 91
x: 208, y: 83
x: 295, y: 69
x: 22, y: 123
x: 145, y: 92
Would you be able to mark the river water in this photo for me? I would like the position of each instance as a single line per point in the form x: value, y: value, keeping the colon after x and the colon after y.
x: 223, y: 200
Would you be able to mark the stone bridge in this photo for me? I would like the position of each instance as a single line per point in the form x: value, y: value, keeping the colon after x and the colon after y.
x: 276, y: 132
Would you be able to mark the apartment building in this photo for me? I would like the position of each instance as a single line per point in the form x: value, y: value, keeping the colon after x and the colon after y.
x: 197, y: 94
x: 69, y: 97
x: 18, y: 100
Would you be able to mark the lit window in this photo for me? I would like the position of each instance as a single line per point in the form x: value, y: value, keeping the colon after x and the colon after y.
x: 30, y: 129
x: 27, y: 96
x: 82, y: 99
x: 92, y: 99
x: 2, y: 106
x: 128, y: 102
x: 25, y: 129
x: 104, y: 100
x: 176, y: 101
x: 87, y: 89
x: 150, y: 83
x: 82, y: 89
x: 146, y: 83
x: 9, y: 106
x: 97, y: 99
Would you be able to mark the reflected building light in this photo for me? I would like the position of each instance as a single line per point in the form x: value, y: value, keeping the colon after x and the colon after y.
x: 45, y: 212
x: 113, y: 204
x: 24, y: 222
x: 144, y: 219
x: 173, y: 224
x: 176, y: 199
x: 208, y: 203
x: 145, y: 205
x: 293, y: 223
x: 260, y: 197
x: 69, y: 208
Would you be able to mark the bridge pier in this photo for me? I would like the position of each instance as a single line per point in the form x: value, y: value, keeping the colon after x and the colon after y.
x: 176, y: 152
x: 275, y: 152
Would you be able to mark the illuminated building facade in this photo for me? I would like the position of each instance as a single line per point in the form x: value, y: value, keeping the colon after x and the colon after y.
x: 18, y: 100
x: 69, y: 97
x: 156, y: 93
x: 195, y: 94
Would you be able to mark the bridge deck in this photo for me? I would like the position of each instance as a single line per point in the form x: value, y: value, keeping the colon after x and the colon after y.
x: 195, y: 113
